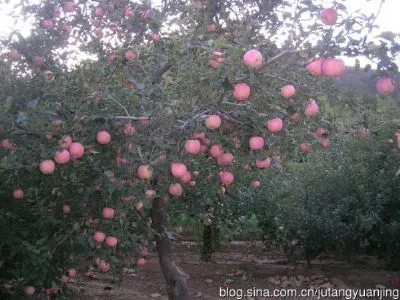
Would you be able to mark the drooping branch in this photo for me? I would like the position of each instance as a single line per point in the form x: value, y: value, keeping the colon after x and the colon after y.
x: 176, y: 278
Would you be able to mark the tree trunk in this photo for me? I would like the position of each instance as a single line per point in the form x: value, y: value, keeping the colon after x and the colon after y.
x: 207, y: 249
x: 175, y: 278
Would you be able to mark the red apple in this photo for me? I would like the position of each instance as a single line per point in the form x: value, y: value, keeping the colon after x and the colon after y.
x: 103, y: 137
x: 328, y: 16
x: 315, y: 67
x: 333, y: 67
x: 108, y: 213
x: 311, y: 108
x: 385, y: 85
x: 305, y: 148
x: 175, y: 189
x: 256, y: 143
x: 253, y: 59
x: 226, y: 177
x: 216, y: 151
x: 61, y: 156
x: 288, y: 91
x: 213, y: 122
x: 18, y: 194
x: 145, y: 172
x: 192, y: 146
x: 47, y: 166
x: 263, y: 164
x: 275, y: 125
x: 178, y: 169
x: 241, y: 91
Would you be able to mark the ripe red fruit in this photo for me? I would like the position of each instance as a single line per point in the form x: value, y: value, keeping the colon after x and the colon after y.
x: 216, y: 151
x: 241, y: 91
x: 192, y: 146
x: 328, y: 16
x: 71, y: 272
x: 226, y: 177
x: 315, y: 67
x: 253, y: 59
x: 103, y: 137
x: 213, y: 122
x: 76, y: 150
x: 256, y: 143
x: 321, y: 131
x: 47, y: 166
x: 129, y: 12
x: 275, y: 125
x: 155, y: 37
x: 385, y: 86
x: 305, y: 148
x: 216, y: 60
x: 150, y: 194
x: 211, y: 27
x: 324, y: 142
x: 311, y: 108
x: 104, y: 266
x: 129, y: 129
x: 178, y: 169
x: 69, y: 6
x: 333, y: 67
x: 263, y: 164
x: 187, y: 177
x: 8, y: 145
x: 288, y: 91
x: 61, y: 156
x: 108, y: 213
x: 225, y: 159
x: 111, y: 241
x: 175, y: 189
x: 99, y: 236
x: 66, y: 209
x: 18, y: 194
x: 99, y: 12
x: 65, y: 142
x: 48, y: 24
x: 199, y: 135
x: 256, y: 184
x: 145, y: 172
x: 29, y: 290
x: 130, y: 54
x: 141, y: 262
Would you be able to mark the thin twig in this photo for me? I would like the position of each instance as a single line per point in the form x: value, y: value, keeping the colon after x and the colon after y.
x: 287, y: 80
x: 122, y: 106
x: 185, y: 123
x: 114, y: 117
x: 278, y: 56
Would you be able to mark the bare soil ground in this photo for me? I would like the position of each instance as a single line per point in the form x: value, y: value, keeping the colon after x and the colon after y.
x: 240, y: 265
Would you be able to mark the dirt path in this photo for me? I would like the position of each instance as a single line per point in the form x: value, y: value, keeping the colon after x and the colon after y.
x: 239, y: 267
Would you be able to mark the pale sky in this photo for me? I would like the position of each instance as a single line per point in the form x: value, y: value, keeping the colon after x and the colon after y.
x: 387, y: 20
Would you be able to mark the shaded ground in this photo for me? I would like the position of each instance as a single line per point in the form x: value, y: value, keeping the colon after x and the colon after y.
x: 241, y: 265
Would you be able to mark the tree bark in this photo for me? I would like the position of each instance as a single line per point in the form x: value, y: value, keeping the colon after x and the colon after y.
x: 175, y: 278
